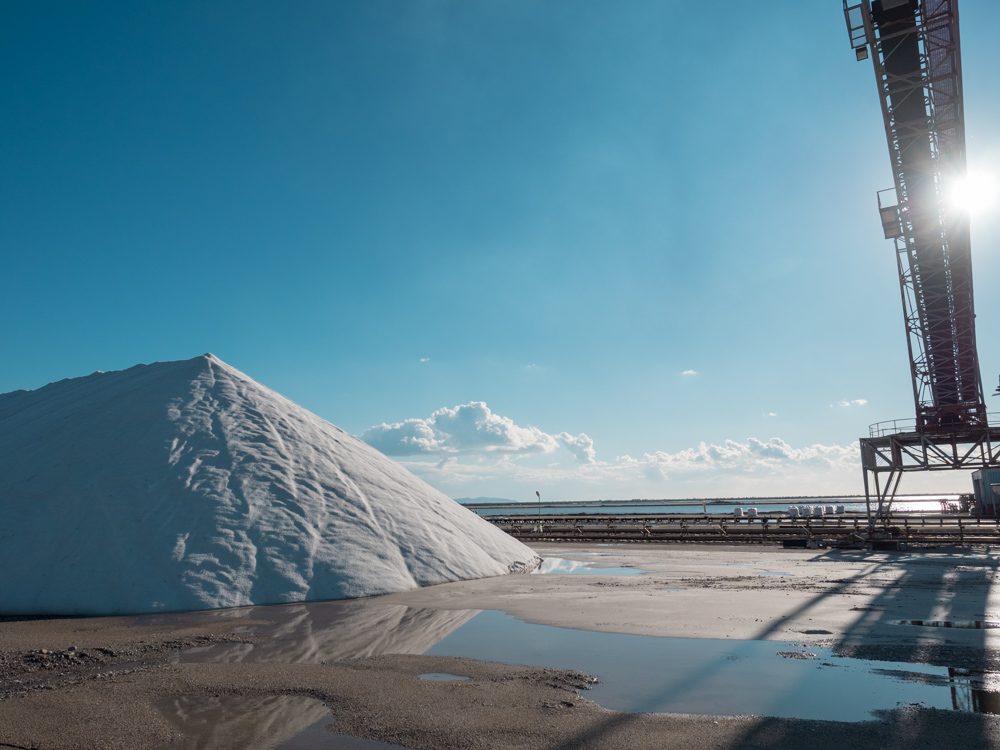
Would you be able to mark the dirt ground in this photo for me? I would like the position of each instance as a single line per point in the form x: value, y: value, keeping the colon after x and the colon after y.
x: 120, y: 682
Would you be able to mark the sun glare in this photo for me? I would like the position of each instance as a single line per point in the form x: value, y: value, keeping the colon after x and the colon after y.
x: 976, y: 193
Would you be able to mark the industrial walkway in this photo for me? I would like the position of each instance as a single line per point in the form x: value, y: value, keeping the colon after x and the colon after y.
x: 767, y: 528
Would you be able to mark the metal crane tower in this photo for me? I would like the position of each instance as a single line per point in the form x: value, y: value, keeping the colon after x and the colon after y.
x: 914, y: 47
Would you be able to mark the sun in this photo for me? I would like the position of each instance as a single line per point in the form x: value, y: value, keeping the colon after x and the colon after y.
x: 975, y: 193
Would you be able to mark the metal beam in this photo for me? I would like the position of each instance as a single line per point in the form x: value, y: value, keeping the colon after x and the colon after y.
x: 915, y: 50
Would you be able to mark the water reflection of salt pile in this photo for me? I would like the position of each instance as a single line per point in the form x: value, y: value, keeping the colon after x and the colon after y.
x: 237, y: 723
x: 328, y: 631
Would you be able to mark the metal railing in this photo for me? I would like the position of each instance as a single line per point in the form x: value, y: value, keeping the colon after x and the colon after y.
x: 903, y: 426
x: 892, y: 427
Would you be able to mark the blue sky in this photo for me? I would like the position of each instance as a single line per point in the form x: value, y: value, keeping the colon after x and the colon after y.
x: 595, y: 249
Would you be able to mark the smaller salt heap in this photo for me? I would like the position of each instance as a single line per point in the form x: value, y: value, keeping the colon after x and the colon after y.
x: 187, y: 485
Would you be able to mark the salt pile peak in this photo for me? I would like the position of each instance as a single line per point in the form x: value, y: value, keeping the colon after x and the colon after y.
x: 188, y: 485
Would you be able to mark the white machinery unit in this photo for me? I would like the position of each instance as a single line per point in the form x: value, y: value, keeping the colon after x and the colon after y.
x: 985, y: 484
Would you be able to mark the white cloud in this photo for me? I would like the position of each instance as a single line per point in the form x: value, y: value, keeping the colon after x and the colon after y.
x: 848, y: 404
x: 769, y: 414
x: 690, y: 372
x: 471, y: 429
x: 581, y: 446
x: 468, y: 450
x: 746, y: 468
x: 774, y: 455
x: 425, y: 359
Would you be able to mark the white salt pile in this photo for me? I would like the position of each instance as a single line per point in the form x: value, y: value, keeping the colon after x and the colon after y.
x: 187, y: 485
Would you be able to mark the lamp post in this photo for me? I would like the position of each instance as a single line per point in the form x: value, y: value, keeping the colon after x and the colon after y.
x: 539, y: 496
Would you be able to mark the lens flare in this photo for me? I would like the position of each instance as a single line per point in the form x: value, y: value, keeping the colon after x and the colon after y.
x: 976, y: 193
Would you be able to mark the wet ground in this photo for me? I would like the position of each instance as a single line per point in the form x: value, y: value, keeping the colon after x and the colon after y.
x: 220, y: 723
x: 634, y: 673
x: 860, y: 640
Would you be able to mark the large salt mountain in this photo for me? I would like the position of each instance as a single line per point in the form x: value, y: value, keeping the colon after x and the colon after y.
x: 188, y: 485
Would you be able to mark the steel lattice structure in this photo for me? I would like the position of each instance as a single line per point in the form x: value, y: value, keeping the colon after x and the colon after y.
x: 916, y: 56
x: 915, y: 50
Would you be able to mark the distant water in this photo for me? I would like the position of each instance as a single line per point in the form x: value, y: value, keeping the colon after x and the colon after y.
x: 903, y: 504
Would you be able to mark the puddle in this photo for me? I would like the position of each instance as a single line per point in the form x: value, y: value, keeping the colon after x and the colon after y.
x: 564, y: 566
x: 636, y: 673
x: 317, y: 632
x: 671, y: 588
x: 710, y: 677
x: 441, y: 677
x: 770, y: 573
x: 960, y: 624
x: 975, y: 691
x: 275, y: 722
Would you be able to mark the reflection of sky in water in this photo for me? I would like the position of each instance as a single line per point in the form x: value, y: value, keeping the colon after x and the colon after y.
x: 562, y: 566
x: 704, y: 676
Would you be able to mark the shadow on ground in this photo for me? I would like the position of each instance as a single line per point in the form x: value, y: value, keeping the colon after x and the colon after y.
x: 931, y: 587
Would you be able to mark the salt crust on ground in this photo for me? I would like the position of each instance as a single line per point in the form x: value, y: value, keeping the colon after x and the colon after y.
x: 188, y: 485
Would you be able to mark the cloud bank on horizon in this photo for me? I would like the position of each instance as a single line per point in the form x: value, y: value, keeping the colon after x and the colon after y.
x: 472, y: 445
